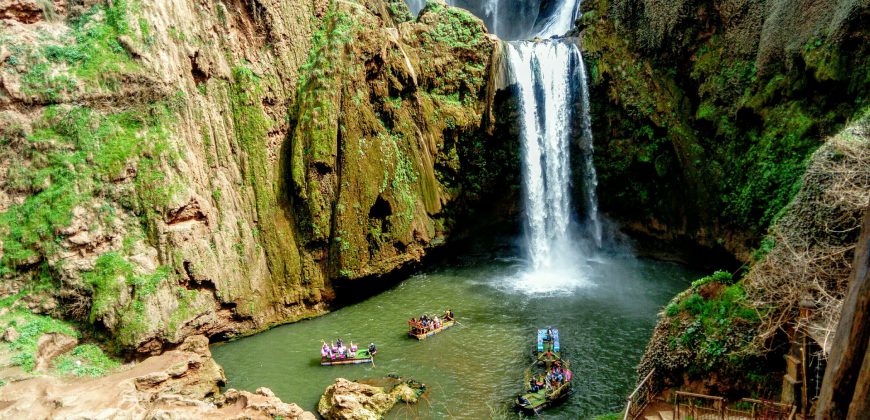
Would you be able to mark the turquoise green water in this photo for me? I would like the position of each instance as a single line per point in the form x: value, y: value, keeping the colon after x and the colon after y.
x: 474, y: 370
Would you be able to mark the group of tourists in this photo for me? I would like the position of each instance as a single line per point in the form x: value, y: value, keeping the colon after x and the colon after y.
x: 338, y: 350
x: 427, y: 323
x: 555, y: 377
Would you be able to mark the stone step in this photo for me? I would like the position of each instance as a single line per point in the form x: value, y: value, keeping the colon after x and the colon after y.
x: 652, y: 417
x: 666, y: 415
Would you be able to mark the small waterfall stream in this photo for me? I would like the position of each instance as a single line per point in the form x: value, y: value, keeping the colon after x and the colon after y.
x: 587, y: 146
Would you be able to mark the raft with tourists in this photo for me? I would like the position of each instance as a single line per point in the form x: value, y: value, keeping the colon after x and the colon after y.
x: 548, y: 379
x: 333, y: 354
x: 428, y: 326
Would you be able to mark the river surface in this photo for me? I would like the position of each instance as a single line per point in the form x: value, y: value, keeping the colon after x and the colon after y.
x: 473, y: 371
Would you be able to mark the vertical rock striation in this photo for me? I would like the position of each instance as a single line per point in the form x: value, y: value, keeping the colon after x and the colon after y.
x: 172, y: 168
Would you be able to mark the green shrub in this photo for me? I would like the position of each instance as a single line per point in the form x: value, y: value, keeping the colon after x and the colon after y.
x: 609, y: 416
x: 722, y: 277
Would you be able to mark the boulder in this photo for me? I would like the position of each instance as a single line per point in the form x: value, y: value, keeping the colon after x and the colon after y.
x: 50, y: 346
x: 178, y: 384
x: 11, y: 334
x: 352, y: 400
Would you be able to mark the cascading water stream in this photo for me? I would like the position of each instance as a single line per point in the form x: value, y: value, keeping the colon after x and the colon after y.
x: 546, y: 74
x: 587, y: 144
x: 550, y: 76
x: 543, y: 73
x: 559, y: 20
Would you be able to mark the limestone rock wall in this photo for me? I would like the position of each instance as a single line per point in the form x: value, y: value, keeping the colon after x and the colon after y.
x: 172, y: 168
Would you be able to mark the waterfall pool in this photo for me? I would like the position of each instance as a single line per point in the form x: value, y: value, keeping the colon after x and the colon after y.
x: 473, y: 371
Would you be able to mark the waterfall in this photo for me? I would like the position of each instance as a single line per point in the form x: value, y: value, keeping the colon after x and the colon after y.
x: 416, y: 6
x: 559, y: 21
x: 543, y: 73
x: 550, y: 78
x: 546, y: 74
x: 491, y: 10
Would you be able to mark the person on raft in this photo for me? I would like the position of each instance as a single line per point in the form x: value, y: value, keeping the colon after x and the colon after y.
x: 448, y: 316
x: 372, y: 348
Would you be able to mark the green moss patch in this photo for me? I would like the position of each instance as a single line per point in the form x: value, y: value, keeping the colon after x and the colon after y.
x: 86, y: 360
x: 31, y: 327
x: 712, y: 320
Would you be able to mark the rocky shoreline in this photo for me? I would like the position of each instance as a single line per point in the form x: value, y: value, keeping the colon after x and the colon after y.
x: 182, y: 383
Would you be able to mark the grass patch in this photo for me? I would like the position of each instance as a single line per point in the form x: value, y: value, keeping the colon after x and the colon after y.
x: 86, y: 360
x: 608, y: 416
x: 91, y: 55
x: 112, y: 273
x: 712, y: 319
x: 31, y: 327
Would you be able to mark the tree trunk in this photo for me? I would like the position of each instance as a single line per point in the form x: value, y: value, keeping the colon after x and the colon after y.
x: 846, y: 386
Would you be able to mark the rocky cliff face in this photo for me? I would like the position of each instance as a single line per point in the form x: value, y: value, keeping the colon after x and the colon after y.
x: 171, y: 168
x: 706, y: 111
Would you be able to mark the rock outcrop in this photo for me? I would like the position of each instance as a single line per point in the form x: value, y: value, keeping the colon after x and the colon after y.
x: 50, y: 346
x: 178, y: 384
x: 346, y: 400
x: 729, y: 336
x: 173, y: 168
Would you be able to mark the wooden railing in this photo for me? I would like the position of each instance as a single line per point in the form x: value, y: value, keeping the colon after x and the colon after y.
x: 689, y: 405
x: 698, y: 406
x: 640, y: 398
x: 760, y: 409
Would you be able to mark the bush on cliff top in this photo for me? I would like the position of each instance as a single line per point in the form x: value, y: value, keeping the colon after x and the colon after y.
x: 710, y: 321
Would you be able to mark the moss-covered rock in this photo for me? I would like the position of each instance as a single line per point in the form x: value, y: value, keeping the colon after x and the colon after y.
x: 381, y: 115
x: 706, y: 112
x: 160, y: 181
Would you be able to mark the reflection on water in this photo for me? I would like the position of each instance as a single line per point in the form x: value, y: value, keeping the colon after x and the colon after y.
x: 475, y: 369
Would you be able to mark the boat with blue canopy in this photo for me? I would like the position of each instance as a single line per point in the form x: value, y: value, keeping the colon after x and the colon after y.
x: 548, y: 379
